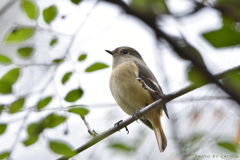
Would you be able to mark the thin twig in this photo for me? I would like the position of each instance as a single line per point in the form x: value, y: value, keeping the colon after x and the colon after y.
x: 90, y: 131
x: 19, y: 133
x: 155, y: 105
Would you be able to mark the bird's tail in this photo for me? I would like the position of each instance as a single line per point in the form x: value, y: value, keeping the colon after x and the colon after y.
x: 155, y: 119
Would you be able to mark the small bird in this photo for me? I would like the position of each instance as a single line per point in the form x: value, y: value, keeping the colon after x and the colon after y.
x: 127, y: 68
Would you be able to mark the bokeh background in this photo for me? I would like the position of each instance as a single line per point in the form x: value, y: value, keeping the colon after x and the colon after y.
x: 54, y: 71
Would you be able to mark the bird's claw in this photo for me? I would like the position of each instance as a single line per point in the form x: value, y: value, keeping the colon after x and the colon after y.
x: 117, y: 125
x: 135, y: 114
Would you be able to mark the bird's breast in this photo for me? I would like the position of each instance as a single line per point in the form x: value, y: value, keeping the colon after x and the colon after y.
x: 126, y: 90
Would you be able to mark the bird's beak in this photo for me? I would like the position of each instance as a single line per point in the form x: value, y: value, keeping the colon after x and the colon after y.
x: 110, y: 52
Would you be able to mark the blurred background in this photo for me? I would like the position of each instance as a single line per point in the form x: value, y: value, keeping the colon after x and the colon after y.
x: 54, y: 72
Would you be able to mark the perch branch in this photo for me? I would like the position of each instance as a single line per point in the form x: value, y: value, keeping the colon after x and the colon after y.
x: 144, y: 111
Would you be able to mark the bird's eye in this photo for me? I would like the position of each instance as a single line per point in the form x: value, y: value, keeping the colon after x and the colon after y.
x: 125, y: 52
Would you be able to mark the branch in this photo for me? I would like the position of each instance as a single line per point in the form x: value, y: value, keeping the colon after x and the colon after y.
x: 155, y: 105
x: 160, y: 34
x: 90, y: 131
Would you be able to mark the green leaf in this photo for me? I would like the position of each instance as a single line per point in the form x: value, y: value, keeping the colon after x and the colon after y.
x: 82, y: 57
x: 30, y: 8
x: 228, y: 145
x: 62, y: 148
x: 16, y: 105
x: 2, y: 128
x: 231, y: 38
x: 58, y: 60
x: 80, y: 111
x: 150, y: 8
x: 30, y: 140
x: 121, y: 147
x: 196, y: 76
x: 11, y: 76
x: 53, y: 120
x: 96, y: 66
x: 66, y: 77
x: 4, y: 155
x: 25, y: 52
x: 5, y: 87
x: 50, y: 121
x: 76, y: 1
x: 50, y: 13
x: 34, y: 129
x: 233, y: 81
x: 1, y: 108
x: 53, y: 41
x: 19, y: 35
x: 74, y: 95
x: 4, y: 59
x: 44, y: 102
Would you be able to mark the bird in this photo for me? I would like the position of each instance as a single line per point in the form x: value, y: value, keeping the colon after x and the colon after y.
x: 128, y: 67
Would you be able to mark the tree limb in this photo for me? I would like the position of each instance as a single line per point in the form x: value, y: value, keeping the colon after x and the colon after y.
x: 144, y: 111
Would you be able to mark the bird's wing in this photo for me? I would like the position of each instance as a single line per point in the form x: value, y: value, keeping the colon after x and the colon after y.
x: 148, y: 77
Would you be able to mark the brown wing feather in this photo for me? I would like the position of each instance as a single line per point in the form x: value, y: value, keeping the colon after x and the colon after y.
x: 148, y: 77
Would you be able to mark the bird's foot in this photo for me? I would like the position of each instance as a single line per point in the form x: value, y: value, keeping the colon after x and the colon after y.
x: 117, y: 125
x: 135, y: 114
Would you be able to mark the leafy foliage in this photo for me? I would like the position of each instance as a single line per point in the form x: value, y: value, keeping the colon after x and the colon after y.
x: 5, y: 60
x: 33, y: 129
x: 61, y: 148
x: 50, y: 13
x: 6, y: 87
x: 16, y: 105
x: 4, y: 155
x: 44, y: 102
x: 1, y: 108
x: 96, y: 66
x: 30, y: 8
x: 80, y: 111
x: 53, y: 41
x: 196, y: 76
x: 11, y: 76
x: 50, y: 121
x: 30, y: 140
x: 150, y: 8
x: 231, y: 34
x: 25, y: 52
x: 76, y: 1
x: 228, y: 145
x: 233, y: 81
x: 74, y: 95
x: 3, y: 128
x: 82, y: 57
x: 231, y: 38
x: 66, y: 77
x: 121, y: 147
x: 19, y: 35
x: 58, y: 60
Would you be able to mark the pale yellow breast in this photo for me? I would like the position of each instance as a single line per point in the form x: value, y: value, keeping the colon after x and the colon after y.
x: 126, y: 90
